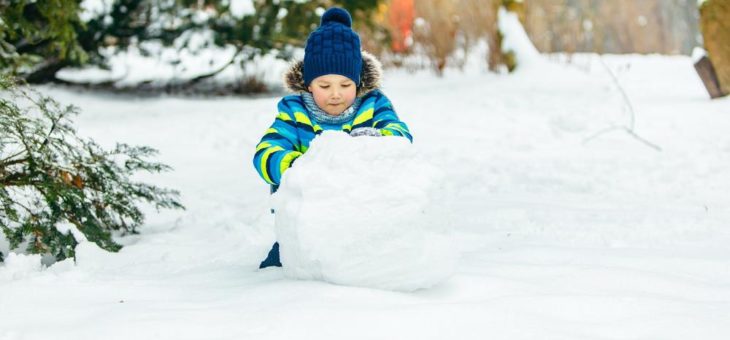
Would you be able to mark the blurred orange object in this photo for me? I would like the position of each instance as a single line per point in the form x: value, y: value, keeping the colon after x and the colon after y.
x: 401, y: 16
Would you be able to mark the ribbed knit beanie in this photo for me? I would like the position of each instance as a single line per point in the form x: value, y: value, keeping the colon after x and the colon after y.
x: 333, y: 48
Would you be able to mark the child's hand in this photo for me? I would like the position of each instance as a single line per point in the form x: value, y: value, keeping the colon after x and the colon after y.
x: 365, y: 131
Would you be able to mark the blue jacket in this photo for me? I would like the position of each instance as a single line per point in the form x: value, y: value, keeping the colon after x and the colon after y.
x: 295, y: 127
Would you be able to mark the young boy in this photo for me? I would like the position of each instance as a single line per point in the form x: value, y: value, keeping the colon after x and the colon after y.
x: 337, y: 86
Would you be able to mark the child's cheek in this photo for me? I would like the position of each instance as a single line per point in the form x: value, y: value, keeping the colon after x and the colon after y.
x: 350, y: 94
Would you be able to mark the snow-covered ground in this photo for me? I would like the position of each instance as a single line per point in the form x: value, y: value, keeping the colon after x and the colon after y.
x: 561, y: 235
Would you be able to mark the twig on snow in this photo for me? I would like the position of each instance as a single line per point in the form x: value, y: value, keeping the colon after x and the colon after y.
x: 632, y: 115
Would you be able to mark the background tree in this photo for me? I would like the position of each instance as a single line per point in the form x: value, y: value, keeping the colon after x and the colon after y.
x: 37, y: 39
x: 436, y: 32
x: 716, y: 33
x: 40, y: 37
x: 620, y: 26
x: 448, y: 26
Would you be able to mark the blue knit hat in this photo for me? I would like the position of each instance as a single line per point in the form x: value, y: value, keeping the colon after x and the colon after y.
x: 333, y: 48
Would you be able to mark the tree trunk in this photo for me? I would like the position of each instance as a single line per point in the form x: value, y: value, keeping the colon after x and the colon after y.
x: 497, y: 57
x: 715, y: 27
x: 46, y: 72
x: 494, y: 39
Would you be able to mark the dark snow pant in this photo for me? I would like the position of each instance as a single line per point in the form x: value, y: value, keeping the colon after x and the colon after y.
x: 272, y: 260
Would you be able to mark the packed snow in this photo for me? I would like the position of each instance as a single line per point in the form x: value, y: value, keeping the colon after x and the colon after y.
x: 175, y: 65
x: 567, y: 227
x: 370, y: 220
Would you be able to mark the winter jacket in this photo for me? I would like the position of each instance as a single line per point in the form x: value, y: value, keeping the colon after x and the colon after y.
x: 295, y: 127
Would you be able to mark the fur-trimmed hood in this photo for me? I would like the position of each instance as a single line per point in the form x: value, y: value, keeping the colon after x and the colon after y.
x: 370, y: 75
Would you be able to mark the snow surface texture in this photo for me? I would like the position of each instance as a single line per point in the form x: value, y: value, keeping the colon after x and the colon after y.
x: 563, y: 236
x: 358, y: 211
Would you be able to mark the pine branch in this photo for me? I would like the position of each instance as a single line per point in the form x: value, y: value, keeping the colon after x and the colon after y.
x: 8, y: 161
x: 68, y: 179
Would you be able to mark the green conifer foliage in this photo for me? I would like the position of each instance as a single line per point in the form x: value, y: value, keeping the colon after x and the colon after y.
x: 51, y: 178
x: 38, y: 38
x: 38, y: 34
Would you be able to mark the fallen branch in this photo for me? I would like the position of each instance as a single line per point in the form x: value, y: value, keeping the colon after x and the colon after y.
x: 627, y: 130
x: 632, y: 115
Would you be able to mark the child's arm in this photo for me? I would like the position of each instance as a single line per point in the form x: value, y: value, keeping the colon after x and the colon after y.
x: 278, y: 148
x: 386, y: 120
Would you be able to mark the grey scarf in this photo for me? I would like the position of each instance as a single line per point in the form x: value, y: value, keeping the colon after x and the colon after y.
x: 323, y: 117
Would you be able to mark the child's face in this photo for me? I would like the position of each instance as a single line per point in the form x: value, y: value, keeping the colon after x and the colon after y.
x: 333, y: 93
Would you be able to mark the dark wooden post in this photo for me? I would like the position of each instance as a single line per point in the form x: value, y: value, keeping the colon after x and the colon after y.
x: 709, y: 77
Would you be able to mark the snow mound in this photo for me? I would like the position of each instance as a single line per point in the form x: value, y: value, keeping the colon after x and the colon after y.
x: 20, y: 266
x: 515, y: 39
x: 361, y: 212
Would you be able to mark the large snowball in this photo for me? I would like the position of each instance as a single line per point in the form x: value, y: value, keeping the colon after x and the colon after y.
x: 361, y: 211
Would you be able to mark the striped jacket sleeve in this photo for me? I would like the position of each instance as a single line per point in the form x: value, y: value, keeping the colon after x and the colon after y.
x: 386, y: 120
x: 279, y: 147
